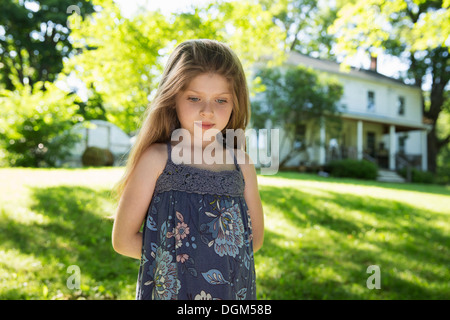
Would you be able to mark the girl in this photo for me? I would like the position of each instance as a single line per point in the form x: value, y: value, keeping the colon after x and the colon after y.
x: 203, y: 222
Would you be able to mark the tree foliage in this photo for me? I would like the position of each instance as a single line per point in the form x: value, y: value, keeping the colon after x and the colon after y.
x: 120, y: 58
x: 34, y: 39
x: 304, y: 24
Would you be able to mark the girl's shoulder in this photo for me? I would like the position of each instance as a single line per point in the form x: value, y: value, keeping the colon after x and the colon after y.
x: 245, y: 162
x: 157, y: 152
x: 243, y: 159
x: 153, y: 159
x: 158, y: 149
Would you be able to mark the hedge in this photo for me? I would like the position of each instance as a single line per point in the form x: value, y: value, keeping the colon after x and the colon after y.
x: 350, y: 168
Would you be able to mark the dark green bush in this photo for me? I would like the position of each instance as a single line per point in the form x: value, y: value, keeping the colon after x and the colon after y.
x: 349, y: 168
x: 97, y: 157
x: 418, y: 176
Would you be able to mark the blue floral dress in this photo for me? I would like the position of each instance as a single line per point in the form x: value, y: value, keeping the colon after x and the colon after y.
x: 197, y: 237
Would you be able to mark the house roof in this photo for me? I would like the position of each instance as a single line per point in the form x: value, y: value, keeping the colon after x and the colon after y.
x: 296, y: 58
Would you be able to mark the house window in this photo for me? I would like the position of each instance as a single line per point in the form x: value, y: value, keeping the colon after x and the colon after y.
x: 402, y: 144
x: 370, y: 101
x: 300, y: 136
x: 401, y: 105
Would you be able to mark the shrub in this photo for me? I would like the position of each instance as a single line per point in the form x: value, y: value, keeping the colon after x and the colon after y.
x: 418, y: 176
x: 34, y: 125
x: 97, y: 157
x: 349, y: 168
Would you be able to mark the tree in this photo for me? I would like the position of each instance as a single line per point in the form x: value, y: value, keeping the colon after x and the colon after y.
x: 442, y: 130
x: 305, y: 24
x: 93, y: 108
x: 417, y: 31
x: 30, y: 134
x: 294, y: 96
x: 249, y: 30
x: 34, y: 40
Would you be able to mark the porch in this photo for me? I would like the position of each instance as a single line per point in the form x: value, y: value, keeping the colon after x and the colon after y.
x: 390, y: 144
x: 380, y: 157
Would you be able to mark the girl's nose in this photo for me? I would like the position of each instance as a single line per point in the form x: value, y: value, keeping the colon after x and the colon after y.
x: 207, y: 109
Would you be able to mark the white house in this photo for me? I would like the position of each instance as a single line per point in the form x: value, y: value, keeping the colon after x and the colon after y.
x: 381, y: 120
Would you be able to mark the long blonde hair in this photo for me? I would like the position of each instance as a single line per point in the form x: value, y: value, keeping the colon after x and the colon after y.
x: 189, y: 59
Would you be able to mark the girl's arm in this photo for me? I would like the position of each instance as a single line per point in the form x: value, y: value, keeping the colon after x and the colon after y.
x: 133, y: 205
x: 253, y: 200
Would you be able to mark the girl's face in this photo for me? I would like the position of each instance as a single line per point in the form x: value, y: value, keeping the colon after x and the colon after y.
x: 207, y: 98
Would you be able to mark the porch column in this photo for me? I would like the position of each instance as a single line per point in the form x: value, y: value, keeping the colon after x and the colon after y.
x: 392, y: 147
x: 359, y: 140
x: 322, y: 157
x: 424, y: 148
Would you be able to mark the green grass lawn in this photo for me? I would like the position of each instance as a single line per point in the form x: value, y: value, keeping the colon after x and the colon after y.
x: 321, y: 236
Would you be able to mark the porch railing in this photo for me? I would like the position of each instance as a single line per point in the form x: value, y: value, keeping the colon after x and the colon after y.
x: 368, y: 157
x: 407, y: 161
x: 406, y: 164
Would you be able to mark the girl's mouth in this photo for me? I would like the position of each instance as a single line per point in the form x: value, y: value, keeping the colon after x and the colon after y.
x: 204, y: 125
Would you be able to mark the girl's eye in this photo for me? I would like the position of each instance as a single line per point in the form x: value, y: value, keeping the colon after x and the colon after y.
x: 193, y: 99
x: 221, y: 101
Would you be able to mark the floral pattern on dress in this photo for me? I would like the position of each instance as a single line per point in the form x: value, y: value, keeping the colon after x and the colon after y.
x: 224, y: 267
x: 164, y: 273
x: 226, y: 229
x: 180, y: 231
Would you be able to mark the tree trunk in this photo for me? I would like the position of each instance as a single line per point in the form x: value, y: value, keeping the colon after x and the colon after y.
x: 432, y: 149
x: 439, y: 58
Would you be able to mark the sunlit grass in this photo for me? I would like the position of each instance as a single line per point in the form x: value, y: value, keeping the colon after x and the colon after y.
x: 51, y: 219
x: 321, y: 234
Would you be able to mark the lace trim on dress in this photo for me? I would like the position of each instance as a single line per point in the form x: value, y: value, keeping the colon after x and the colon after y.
x: 190, y: 179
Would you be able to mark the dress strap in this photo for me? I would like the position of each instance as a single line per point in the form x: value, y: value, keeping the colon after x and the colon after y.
x: 233, y: 151
x: 169, y: 150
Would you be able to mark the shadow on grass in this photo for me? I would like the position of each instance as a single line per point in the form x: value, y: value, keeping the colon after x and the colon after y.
x: 76, y: 231
x: 405, y: 241
x: 293, y: 274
